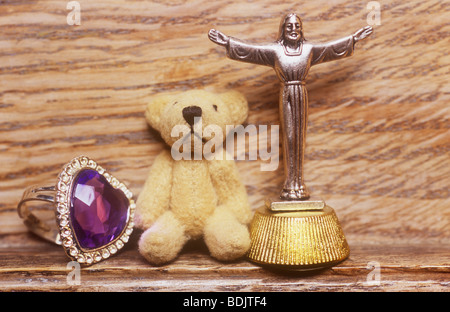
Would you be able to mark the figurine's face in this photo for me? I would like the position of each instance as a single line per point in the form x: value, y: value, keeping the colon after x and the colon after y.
x: 292, y: 29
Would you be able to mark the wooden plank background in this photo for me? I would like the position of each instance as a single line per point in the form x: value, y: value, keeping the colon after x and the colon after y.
x: 378, y: 137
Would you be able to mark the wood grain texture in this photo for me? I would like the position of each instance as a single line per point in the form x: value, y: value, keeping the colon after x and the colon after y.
x: 378, y: 142
x: 401, y: 268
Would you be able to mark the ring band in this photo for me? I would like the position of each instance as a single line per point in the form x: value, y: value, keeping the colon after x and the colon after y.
x: 33, y: 223
x: 94, y: 212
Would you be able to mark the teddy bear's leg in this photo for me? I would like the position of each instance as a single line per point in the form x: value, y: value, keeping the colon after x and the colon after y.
x: 230, y: 189
x: 226, y: 238
x: 163, y: 241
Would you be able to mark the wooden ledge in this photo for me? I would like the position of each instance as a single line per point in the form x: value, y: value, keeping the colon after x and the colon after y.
x: 401, y: 268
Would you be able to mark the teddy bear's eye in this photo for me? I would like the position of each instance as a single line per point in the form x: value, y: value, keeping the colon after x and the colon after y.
x: 175, y: 103
x: 215, y: 107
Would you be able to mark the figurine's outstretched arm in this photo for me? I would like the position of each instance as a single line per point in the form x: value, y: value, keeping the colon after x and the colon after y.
x: 339, y: 48
x: 218, y: 37
x: 244, y: 51
x: 362, y: 33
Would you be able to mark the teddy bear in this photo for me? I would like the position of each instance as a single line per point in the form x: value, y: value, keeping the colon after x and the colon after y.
x: 193, y: 197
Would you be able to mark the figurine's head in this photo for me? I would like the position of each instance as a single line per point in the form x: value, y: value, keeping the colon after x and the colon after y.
x: 291, y: 30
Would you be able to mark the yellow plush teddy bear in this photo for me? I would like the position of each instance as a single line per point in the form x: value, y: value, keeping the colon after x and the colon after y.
x: 193, y: 197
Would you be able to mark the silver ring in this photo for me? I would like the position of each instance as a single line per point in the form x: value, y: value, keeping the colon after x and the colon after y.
x: 94, y: 211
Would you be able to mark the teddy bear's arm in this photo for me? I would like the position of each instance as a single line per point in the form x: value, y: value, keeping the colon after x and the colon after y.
x: 230, y: 190
x: 155, y: 195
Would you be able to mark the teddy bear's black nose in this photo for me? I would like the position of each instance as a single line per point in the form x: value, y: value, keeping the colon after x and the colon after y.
x: 190, y: 112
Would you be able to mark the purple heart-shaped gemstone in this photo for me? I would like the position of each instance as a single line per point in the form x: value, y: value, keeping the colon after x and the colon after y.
x: 98, y: 211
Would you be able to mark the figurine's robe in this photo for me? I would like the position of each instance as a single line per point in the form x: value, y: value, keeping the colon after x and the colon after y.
x: 291, y: 69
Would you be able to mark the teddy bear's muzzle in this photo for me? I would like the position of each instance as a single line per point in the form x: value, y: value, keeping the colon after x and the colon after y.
x: 190, y: 112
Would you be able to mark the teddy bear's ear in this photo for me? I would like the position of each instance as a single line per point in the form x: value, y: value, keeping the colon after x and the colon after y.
x: 237, y: 104
x: 155, y: 108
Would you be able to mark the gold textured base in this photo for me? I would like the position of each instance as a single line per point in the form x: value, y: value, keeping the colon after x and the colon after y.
x: 299, y: 240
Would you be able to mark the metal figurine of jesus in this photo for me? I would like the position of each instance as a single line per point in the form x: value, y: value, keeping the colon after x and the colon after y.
x: 291, y: 57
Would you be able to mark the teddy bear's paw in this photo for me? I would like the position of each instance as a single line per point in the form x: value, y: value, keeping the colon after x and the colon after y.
x: 162, y: 242
x: 140, y: 221
x: 227, y: 241
x: 145, y: 217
